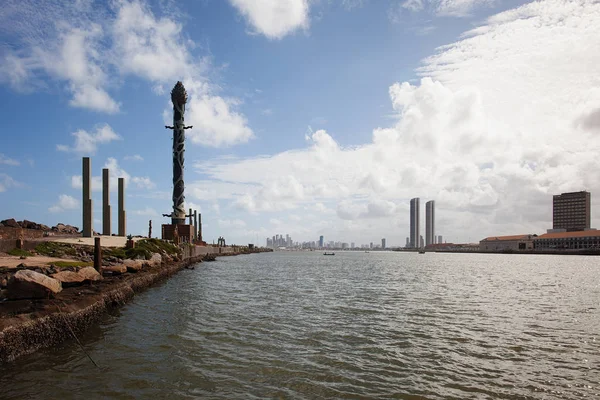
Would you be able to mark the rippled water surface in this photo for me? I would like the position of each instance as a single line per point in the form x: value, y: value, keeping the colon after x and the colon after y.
x: 355, y: 325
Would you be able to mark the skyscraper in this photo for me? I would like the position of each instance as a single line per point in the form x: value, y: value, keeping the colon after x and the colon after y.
x: 429, y: 222
x: 383, y: 243
x: 415, y: 231
x: 440, y: 239
x: 321, y: 241
x: 407, y: 242
x: 571, y: 211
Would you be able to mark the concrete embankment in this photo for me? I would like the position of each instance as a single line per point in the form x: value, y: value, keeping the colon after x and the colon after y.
x: 29, y: 325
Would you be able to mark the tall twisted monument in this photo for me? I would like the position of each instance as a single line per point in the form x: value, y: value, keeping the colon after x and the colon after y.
x: 179, y: 98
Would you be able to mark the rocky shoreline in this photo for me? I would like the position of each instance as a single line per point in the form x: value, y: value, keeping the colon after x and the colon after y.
x: 29, y: 325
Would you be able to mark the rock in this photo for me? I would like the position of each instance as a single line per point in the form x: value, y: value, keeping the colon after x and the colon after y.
x: 134, y: 265
x: 155, y: 260
x: 11, y: 223
x: 115, y: 269
x: 65, y: 229
x: 69, y: 278
x: 90, y: 274
x: 84, y: 275
x: 3, y: 282
x: 26, y: 284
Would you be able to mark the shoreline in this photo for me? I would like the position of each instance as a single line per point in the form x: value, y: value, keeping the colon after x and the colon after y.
x: 49, y: 322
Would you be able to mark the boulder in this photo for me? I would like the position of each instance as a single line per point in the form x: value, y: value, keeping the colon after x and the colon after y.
x: 134, y: 265
x: 65, y: 229
x: 90, y: 274
x: 155, y: 260
x: 3, y: 282
x: 27, y: 284
x: 11, y: 223
x: 114, y: 269
x: 69, y: 278
x: 84, y: 275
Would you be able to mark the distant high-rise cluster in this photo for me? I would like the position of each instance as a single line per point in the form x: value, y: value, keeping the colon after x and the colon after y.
x: 415, y: 240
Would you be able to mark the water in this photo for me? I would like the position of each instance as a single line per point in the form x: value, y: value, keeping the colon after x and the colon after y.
x: 356, y: 325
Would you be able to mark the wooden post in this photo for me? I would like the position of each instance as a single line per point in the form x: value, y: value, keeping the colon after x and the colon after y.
x: 97, y: 254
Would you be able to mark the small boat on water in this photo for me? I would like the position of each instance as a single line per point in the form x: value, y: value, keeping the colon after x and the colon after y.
x: 421, y: 251
x: 329, y: 254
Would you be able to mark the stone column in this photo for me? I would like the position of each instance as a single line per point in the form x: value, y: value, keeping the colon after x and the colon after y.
x: 106, y: 202
x: 122, y: 215
x: 195, y: 225
x: 87, y: 198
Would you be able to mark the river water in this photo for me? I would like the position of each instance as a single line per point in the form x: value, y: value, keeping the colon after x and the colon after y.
x: 353, y: 325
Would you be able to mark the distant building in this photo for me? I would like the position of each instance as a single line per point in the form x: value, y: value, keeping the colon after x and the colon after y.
x: 415, y: 231
x: 352, y: 245
x: 440, y: 239
x: 421, y: 242
x: 504, y: 243
x: 321, y: 242
x: 371, y: 245
x: 407, y: 242
x: 383, y: 243
x: 430, y: 223
x: 571, y: 211
x: 568, y: 240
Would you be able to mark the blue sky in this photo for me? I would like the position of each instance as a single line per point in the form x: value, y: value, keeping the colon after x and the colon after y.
x: 310, y: 117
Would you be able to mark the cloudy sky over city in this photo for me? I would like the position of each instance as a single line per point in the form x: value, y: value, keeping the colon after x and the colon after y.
x: 310, y: 117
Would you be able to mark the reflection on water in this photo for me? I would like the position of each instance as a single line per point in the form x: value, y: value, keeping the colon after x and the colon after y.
x: 357, y: 325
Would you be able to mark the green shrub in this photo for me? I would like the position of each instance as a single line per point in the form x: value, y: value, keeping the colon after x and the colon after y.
x: 65, y: 264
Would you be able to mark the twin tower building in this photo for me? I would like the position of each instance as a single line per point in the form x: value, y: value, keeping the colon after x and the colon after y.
x: 416, y: 240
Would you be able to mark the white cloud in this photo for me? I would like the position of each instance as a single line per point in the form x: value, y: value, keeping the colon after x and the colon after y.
x: 92, y: 48
x: 135, y: 157
x: 231, y: 223
x: 147, y: 212
x: 502, y: 119
x: 274, y: 18
x: 8, y: 161
x: 86, y: 143
x: 65, y: 202
x: 115, y: 172
x: 6, y: 182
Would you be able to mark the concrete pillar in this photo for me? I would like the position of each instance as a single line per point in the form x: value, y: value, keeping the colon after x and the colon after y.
x: 121, y: 205
x: 195, y: 225
x: 88, y: 226
x: 199, y: 226
x: 106, y: 202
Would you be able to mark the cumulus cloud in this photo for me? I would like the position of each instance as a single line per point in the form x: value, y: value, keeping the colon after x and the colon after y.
x: 92, y: 47
x: 115, y: 171
x: 488, y: 133
x: 455, y: 8
x: 87, y: 142
x: 65, y: 202
x: 274, y: 18
x: 147, y: 212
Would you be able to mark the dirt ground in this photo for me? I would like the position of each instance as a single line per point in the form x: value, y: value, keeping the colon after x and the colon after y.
x: 31, y: 261
x: 105, y: 241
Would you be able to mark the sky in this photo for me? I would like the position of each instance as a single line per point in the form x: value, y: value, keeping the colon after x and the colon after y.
x: 310, y: 117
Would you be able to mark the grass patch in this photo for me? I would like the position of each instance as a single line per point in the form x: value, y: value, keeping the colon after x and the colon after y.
x: 145, y: 248
x: 117, y: 252
x: 65, y: 264
x: 19, y: 253
x: 55, y: 249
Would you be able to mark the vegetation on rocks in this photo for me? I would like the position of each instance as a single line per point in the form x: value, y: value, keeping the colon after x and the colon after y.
x: 55, y: 249
x: 143, y: 250
x: 19, y: 253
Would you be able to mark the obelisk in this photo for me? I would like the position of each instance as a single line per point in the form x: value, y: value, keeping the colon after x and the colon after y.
x: 106, y: 202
